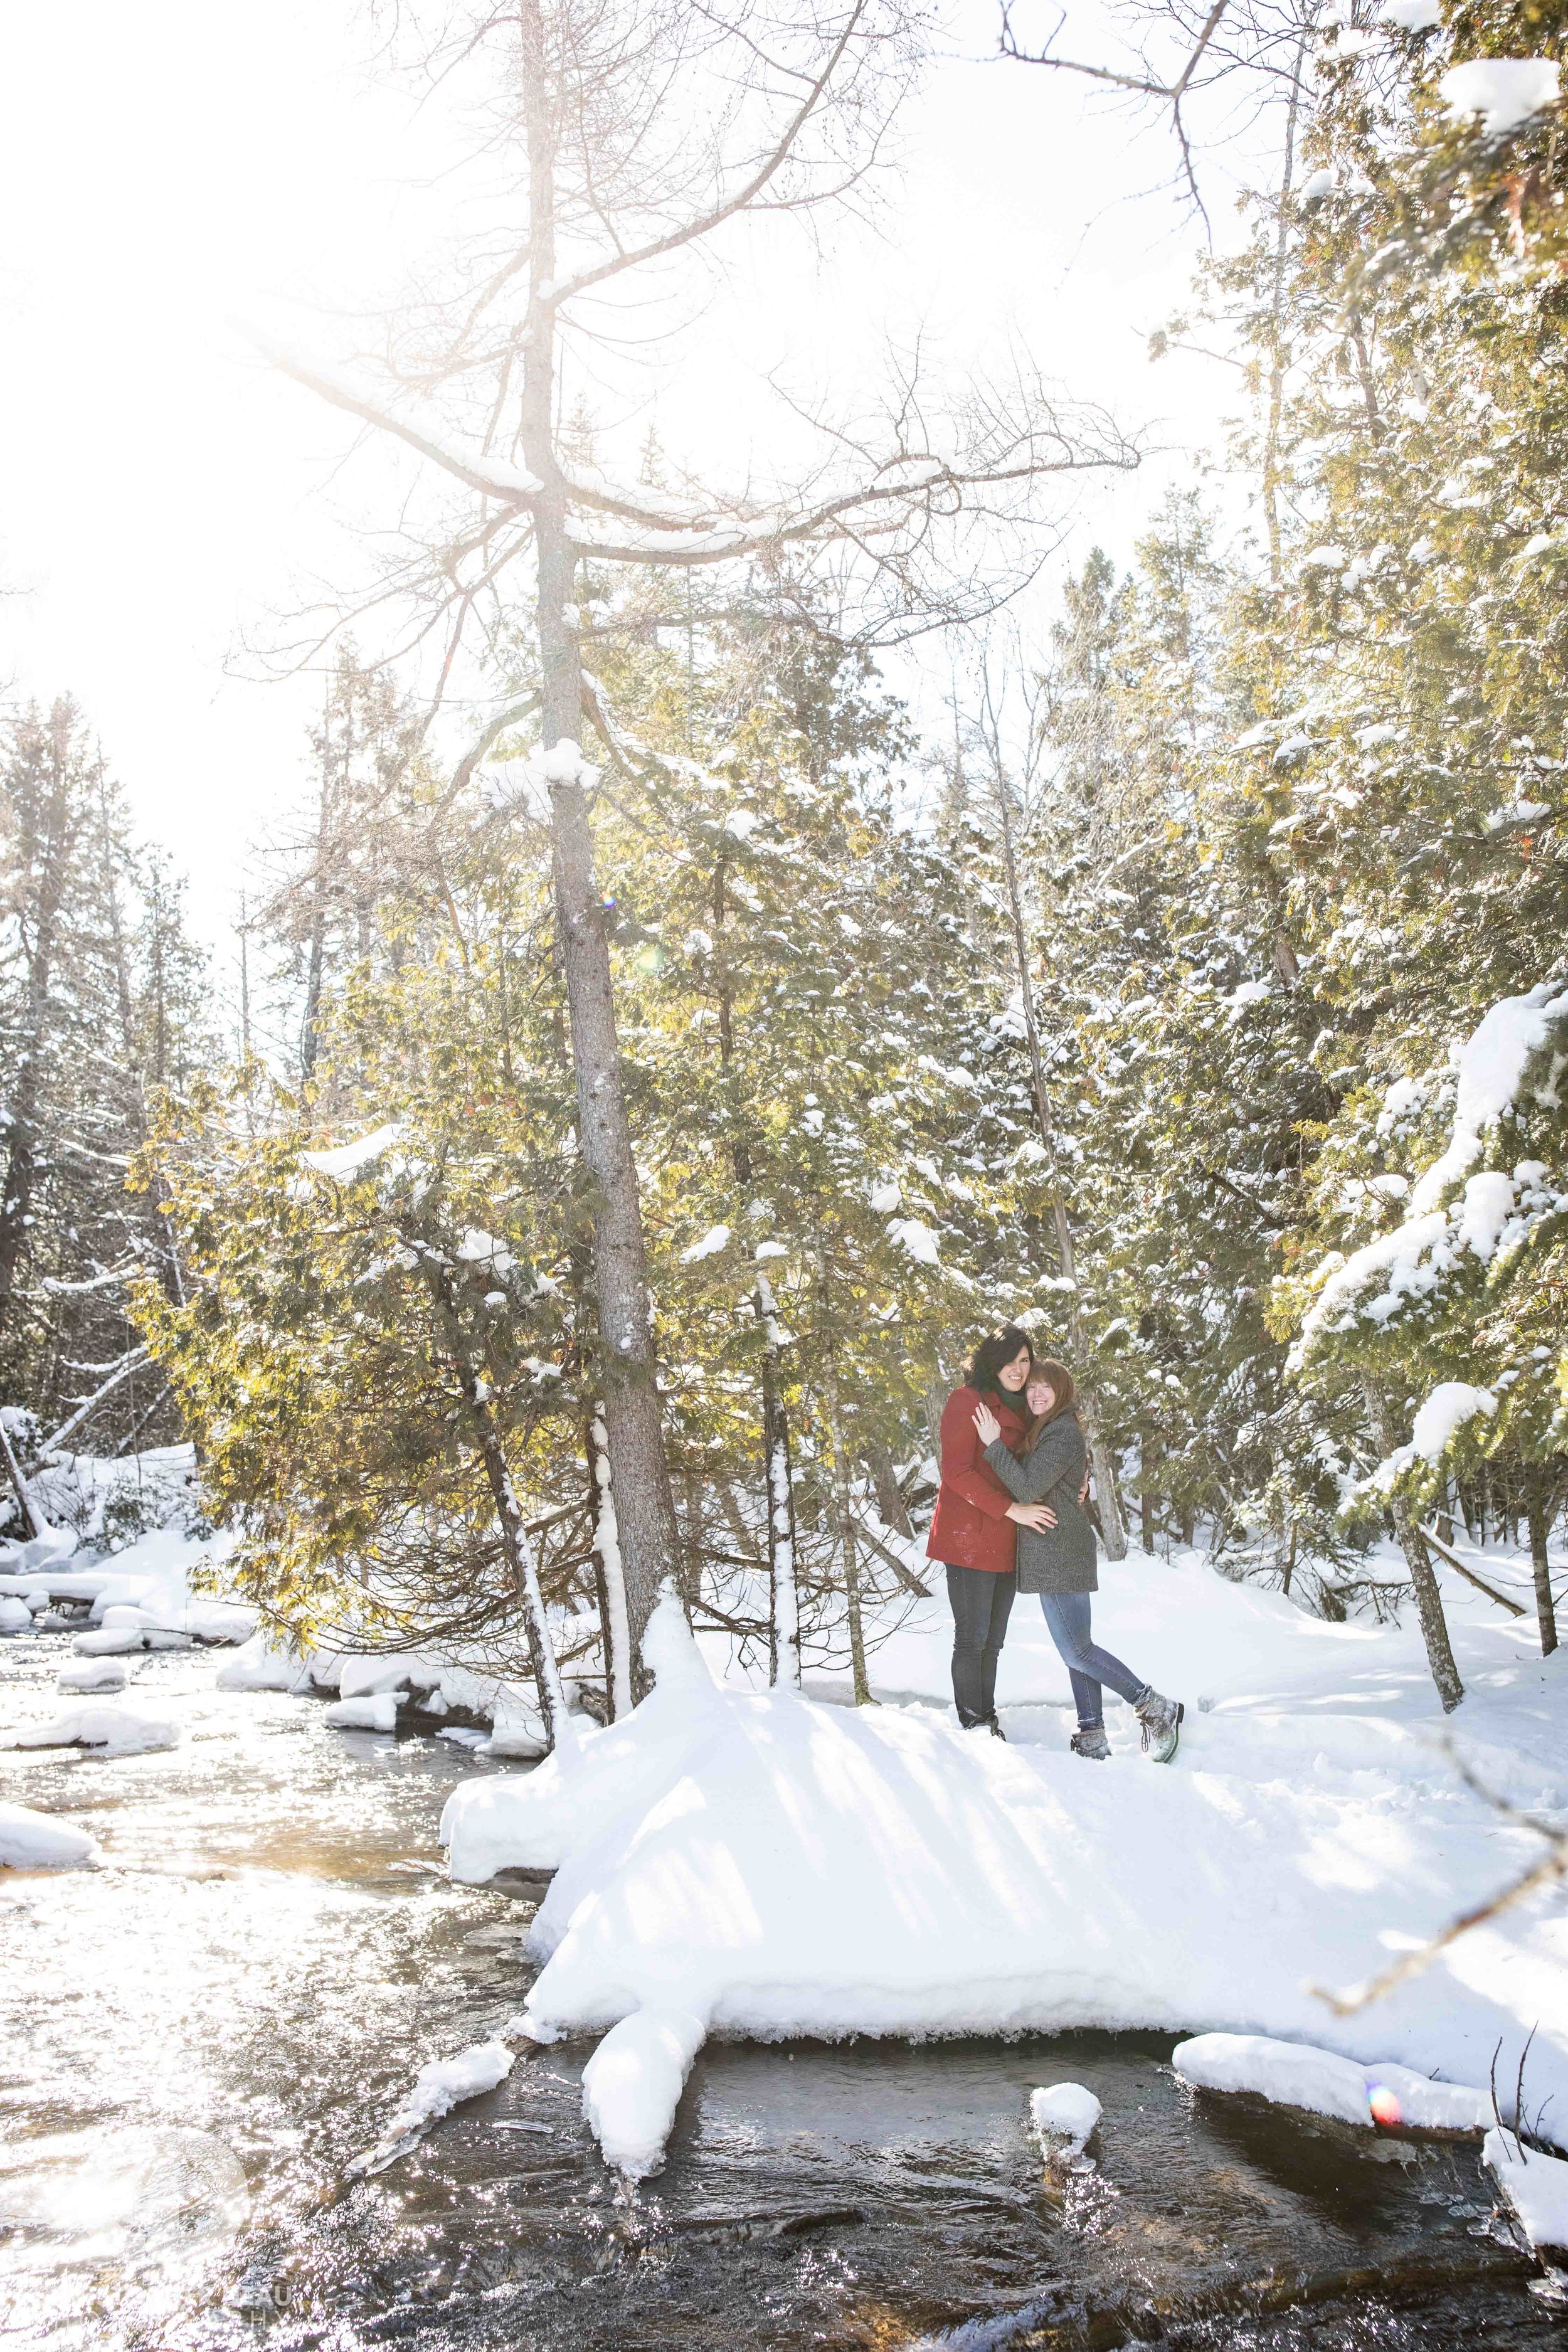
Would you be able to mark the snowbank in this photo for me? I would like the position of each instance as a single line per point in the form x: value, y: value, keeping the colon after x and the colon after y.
x: 115, y: 1729
x: 773, y: 1867
x: 31, y: 1841
x: 1536, y: 2188
x: 16, y: 1616
x: 1297, y: 2074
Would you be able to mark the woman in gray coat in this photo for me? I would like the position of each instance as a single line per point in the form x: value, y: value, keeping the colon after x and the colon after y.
x: 1059, y: 1563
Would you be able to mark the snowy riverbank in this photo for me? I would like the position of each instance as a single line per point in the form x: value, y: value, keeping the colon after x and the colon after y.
x: 751, y: 1863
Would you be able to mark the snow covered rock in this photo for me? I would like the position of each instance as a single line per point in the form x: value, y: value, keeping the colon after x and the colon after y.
x: 259, y: 1665
x: 1063, y: 2115
x: 375, y: 1714
x: 16, y: 1617
x: 113, y: 1729
x: 632, y: 2085
x: 439, y: 2085
x: 1535, y: 2188
x: 93, y: 1675
x: 364, y: 1677
x: 111, y: 1642
x: 1295, y: 2074
x: 32, y: 1841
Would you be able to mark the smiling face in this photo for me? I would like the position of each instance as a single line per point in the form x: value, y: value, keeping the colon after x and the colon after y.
x: 1040, y: 1396
x: 1012, y: 1376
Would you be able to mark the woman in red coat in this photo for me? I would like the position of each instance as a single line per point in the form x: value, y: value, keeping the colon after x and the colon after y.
x: 974, y: 1533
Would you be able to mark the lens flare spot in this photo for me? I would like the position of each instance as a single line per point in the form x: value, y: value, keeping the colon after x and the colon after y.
x: 1384, y: 2106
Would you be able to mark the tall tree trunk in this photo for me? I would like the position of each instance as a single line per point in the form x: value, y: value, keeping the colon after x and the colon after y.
x: 645, y: 1507
x: 1428, y: 1599
x: 1538, y: 1509
x: 44, y: 848
x: 783, y: 1597
x: 609, y: 1574
x: 844, y: 1512
x: 33, y: 1520
x: 1112, y: 1526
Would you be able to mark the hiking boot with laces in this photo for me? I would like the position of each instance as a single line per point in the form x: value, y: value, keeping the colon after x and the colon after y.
x: 1161, y: 1722
x: 1092, y: 1741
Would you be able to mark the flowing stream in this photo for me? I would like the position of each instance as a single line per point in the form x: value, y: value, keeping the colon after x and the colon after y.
x: 200, y: 2037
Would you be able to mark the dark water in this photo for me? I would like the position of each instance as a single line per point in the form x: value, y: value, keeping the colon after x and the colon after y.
x: 199, y: 2038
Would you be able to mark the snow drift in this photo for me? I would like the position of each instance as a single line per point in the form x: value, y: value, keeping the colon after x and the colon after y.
x: 770, y: 1866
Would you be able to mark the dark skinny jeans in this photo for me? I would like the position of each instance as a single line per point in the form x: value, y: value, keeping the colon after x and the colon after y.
x: 1067, y: 1621
x: 982, y: 1602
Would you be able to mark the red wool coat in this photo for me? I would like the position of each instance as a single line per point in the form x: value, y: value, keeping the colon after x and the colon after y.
x: 970, y: 1529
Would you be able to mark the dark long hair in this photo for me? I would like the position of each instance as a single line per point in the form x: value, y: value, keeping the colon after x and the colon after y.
x: 1047, y: 1367
x: 992, y: 1354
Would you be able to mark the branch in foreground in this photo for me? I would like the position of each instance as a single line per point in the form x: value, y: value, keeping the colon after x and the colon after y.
x: 1553, y: 1866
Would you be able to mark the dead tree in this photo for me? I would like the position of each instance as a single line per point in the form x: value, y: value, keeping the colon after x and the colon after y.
x: 632, y: 137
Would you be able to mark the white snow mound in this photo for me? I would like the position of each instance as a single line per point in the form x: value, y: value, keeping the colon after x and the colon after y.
x: 32, y: 1841
x: 374, y: 1714
x: 1296, y: 2074
x: 632, y: 2085
x: 93, y: 1675
x: 113, y: 1729
x: 1535, y: 2186
x: 1064, y: 2111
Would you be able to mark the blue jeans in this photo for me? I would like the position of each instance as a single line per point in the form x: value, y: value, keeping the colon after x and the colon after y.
x: 1068, y: 1623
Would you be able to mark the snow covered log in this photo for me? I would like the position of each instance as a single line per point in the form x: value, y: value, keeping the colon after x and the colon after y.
x: 1298, y: 2074
x: 632, y: 2085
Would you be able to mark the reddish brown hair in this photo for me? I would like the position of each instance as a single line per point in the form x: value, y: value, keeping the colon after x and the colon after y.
x: 1047, y: 1367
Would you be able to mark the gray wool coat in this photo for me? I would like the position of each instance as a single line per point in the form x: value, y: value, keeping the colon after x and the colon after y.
x: 1062, y: 1558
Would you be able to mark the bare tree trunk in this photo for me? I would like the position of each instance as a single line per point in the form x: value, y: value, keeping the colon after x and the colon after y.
x: 784, y: 1598
x: 1539, y: 1536
x: 609, y: 1575
x: 645, y: 1507
x: 1112, y: 1526
x: 846, y: 1518
x: 1428, y: 1600
x: 43, y: 845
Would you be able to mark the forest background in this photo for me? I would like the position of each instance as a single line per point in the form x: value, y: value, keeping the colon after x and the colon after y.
x: 1184, y: 980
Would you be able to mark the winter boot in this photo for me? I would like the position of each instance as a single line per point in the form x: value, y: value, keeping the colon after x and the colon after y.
x: 1161, y: 1722
x: 1090, y: 1740
x: 994, y: 1728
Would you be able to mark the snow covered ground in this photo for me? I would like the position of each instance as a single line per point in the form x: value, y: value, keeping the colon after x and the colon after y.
x: 768, y: 1865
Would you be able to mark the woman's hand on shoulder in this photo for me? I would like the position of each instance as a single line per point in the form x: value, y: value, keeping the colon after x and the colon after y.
x: 987, y: 1424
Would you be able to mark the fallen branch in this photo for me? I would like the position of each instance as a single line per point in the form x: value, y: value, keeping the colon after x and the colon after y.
x: 1441, y: 1549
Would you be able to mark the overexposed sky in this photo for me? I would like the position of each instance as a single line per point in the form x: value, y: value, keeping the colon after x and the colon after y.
x: 162, y: 170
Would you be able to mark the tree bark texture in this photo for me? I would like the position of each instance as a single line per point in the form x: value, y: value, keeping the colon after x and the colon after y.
x: 1539, y: 1560
x: 645, y: 1507
x: 1428, y: 1599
